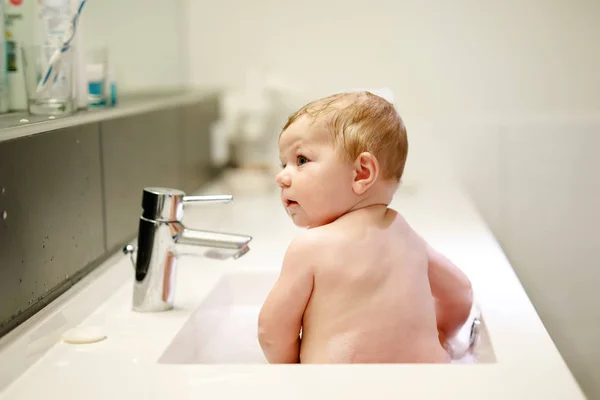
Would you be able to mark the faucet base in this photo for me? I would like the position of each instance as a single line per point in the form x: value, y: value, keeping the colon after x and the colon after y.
x: 154, y: 309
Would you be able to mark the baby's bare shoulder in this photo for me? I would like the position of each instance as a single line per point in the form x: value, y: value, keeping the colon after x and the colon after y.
x: 316, y: 238
x: 314, y: 243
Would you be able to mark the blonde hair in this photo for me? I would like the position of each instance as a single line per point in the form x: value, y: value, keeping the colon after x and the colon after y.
x: 362, y: 122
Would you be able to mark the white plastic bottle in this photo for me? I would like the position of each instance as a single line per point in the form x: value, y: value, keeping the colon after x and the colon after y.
x: 19, y: 29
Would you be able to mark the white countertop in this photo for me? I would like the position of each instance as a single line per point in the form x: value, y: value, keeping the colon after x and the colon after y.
x: 125, y: 364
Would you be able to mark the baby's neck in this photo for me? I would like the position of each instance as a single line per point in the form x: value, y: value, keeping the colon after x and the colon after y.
x: 380, y: 194
x: 375, y: 201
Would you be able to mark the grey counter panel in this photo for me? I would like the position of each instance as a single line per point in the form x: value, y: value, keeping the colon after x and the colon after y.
x: 51, y: 193
x: 137, y: 152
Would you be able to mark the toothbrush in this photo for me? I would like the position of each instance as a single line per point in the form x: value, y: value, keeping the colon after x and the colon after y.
x: 55, y: 60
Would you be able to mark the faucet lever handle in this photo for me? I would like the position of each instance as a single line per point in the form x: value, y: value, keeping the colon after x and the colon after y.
x: 166, y: 204
x: 226, y: 198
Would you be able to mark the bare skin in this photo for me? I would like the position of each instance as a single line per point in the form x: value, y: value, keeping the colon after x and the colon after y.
x: 360, y: 289
x: 373, y: 302
x: 360, y: 284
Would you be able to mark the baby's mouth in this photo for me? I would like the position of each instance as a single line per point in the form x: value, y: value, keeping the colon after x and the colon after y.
x: 289, y: 202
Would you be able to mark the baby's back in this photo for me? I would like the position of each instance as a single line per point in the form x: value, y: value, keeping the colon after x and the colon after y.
x: 371, y: 301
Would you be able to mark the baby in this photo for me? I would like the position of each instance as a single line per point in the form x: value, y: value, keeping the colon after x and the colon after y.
x: 359, y: 285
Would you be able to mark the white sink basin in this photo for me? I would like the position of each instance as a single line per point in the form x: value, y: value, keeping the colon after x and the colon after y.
x: 223, y: 329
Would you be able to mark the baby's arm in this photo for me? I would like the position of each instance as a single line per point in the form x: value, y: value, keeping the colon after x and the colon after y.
x: 452, y: 292
x: 280, y: 318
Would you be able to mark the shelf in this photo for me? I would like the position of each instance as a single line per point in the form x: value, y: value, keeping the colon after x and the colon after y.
x: 12, y: 127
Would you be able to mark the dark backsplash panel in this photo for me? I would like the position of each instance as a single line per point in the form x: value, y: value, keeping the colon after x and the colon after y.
x: 69, y: 198
x: 52, y: 204
x: 137, y: 152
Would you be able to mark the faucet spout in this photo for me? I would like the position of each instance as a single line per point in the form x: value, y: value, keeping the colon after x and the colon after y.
x: 217, y: 245
x: 212, y: 239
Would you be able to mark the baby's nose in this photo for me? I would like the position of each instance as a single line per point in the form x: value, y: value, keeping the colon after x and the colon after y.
x: 283, y: 179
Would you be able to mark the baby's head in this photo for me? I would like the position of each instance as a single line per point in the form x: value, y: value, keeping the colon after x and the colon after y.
x: 338, y: 154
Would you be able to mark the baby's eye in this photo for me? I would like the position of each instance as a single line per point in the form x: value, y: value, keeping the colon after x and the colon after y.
x: 302, y: 160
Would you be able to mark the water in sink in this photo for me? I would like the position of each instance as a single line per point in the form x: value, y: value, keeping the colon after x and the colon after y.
x: 223, y: 330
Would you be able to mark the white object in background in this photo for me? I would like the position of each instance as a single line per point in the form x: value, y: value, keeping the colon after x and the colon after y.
x: 219, y: 142
x: 255, y: 106
x: 252, y: 116
x: 19, y: 32
x: 16, y: 80
x: 224, y: 131
x: 247, y: 113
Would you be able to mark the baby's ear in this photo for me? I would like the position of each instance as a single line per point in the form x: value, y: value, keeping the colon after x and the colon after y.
x: 366, y: 171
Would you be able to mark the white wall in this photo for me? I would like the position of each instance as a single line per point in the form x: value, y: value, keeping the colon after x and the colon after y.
x: 146, y: 39
x: 537, y: 184
x: 442, y: 58
x: 504, y: 95
x: 536, y: 181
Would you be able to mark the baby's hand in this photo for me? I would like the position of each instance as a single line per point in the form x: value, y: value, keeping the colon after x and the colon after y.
x: 467, y: 337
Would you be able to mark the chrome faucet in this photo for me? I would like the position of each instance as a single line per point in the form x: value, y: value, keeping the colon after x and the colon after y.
x: 162, y: 238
